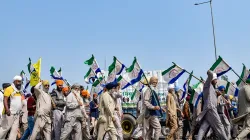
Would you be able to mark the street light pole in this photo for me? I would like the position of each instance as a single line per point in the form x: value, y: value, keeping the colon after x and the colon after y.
x: 212, y: 17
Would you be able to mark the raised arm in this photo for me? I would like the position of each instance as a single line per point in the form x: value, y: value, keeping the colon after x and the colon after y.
x: 37, y: 89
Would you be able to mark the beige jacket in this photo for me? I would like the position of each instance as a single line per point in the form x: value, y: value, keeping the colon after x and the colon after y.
x: 43, y: 104
x: 171, y: 105
x: 107, y: 110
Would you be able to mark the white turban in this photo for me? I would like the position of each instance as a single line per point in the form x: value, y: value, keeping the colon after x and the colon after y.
x: 214, y: 76
x: 171, y: 86
x: 17, y: 78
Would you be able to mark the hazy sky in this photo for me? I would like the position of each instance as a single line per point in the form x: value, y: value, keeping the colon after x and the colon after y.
x: 65, y: 33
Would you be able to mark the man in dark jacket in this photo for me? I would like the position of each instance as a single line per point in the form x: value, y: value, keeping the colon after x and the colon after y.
x: 60, y: 103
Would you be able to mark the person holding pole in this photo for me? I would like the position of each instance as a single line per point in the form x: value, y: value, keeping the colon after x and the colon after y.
x: 209, y: 116
x: 43, y: 110
x: 151, y: 120
x: 73, y: 114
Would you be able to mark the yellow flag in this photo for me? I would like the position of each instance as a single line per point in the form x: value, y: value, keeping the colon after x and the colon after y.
x: 35, y: 75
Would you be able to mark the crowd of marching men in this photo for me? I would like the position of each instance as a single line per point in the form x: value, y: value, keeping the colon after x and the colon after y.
x: 68, y: 113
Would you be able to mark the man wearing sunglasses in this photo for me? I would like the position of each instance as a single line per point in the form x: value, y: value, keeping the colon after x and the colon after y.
x: 60, y: 103
x: 43, y: 110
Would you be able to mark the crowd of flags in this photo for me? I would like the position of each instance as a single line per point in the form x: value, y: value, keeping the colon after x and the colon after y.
x: 133, y: 76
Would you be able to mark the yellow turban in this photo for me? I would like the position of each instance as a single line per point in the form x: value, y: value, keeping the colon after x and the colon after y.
x: 45, y: 82
x: 231, y: 97
x: 59, y: 82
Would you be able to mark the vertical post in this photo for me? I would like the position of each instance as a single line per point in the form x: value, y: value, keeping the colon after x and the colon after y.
x: 215, y: 49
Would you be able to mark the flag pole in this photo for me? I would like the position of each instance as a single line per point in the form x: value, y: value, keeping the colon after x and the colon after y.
x: 188, y: 73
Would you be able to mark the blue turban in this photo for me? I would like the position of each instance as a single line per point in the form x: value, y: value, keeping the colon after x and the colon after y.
x: 220, y: 88
x: 111, y: 85
x: 176, y: 89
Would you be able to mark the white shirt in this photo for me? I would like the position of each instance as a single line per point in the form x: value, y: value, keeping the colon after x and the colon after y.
x: 1, y: 103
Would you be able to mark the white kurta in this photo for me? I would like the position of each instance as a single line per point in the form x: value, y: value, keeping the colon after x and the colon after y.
x: 1, y: 104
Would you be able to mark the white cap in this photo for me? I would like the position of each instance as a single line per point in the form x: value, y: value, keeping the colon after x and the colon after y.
x: 171, y: 86
x: 17, y: 78
x: 214, y: 76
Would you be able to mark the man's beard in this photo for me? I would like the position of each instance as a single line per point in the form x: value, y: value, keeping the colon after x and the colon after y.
x: 215, y: 86
x: 76, y: 92
x: 18, y: 86
x: 59, y: 89
x: 46, y: 90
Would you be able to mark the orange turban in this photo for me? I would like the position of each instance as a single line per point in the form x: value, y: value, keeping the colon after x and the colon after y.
x: 65, y: 90
x: 59, y: 82
x: 85, y: 93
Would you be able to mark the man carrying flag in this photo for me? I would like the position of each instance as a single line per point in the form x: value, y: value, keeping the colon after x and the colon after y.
x: 153, y: 111
x: 209, y: 116
x: 73, y: 115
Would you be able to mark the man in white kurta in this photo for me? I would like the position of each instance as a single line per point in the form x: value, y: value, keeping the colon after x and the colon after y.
x: 73, y: 115
x: 43, y: 111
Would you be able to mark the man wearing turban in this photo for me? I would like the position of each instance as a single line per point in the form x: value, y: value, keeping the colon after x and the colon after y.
x: 13, y: 108
x: 43, y: 111
x: 222, y: 103
x: 153, y: 110
x: 106, y: 119
x: 60, y: 103
x: 209, y: 116
x: 86, y: 121
x: 73, y: 114
x: 116, y: 95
